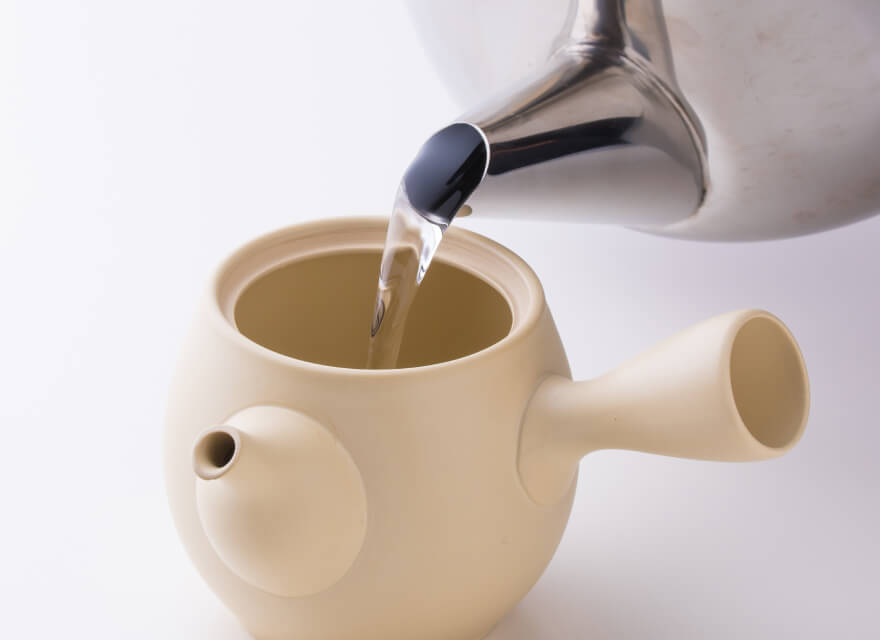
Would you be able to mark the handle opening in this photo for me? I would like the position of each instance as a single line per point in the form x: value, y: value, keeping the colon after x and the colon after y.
x: 769, y: 382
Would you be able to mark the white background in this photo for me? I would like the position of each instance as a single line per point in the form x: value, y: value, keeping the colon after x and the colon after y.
x: 141, y: 142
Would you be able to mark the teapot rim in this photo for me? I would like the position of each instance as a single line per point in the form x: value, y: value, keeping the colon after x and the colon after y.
x: 493, y: 263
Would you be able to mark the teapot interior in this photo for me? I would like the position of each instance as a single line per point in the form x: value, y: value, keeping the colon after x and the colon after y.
x: 319, y: 309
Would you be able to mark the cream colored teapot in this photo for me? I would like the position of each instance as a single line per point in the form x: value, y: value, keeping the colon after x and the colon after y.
x: 321, y: 500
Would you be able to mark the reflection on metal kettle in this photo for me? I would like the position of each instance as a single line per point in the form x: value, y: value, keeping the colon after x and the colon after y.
x: 719, y: 121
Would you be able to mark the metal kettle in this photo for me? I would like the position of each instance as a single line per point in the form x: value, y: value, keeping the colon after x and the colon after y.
x: 719, y: 121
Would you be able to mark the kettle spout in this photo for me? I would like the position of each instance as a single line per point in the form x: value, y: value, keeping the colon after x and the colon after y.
x: 602, y: 128
x: 280, y: 500
x: 731, y: 388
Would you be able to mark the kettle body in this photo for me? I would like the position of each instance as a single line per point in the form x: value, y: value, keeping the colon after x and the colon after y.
x: 715, y: 121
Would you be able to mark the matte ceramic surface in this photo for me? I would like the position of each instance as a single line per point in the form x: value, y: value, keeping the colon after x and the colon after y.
x: 320, y: 500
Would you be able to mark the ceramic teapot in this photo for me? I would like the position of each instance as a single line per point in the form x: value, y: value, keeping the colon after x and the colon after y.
x: 321, y: 500
x: 704, y: 120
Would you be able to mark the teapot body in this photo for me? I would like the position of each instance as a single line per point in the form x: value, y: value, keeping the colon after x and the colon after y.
x: 322, y: 500
x: 452, y: 540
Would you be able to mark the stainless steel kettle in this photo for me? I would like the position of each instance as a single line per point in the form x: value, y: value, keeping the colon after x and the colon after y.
x: 713, y: 120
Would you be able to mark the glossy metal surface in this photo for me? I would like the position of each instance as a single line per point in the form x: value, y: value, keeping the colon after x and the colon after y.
x: 600, y: 124
x: 590, y: 118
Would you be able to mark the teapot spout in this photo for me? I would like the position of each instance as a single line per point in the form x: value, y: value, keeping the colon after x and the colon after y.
x: 215, y: 451
x: 731, y: 388
x: 280, y: 500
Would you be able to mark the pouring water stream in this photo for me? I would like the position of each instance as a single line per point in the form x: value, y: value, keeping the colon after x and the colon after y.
x: 449, y: 166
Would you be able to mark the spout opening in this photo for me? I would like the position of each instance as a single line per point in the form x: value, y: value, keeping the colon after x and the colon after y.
x: 769, y: 382
x: 215, y: 452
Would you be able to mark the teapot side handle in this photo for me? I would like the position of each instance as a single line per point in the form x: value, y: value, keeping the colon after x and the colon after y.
x: 732, y: 388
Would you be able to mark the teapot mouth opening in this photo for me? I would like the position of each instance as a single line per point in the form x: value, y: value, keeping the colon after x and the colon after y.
x: 215, y: 452
x: 298, y: 294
